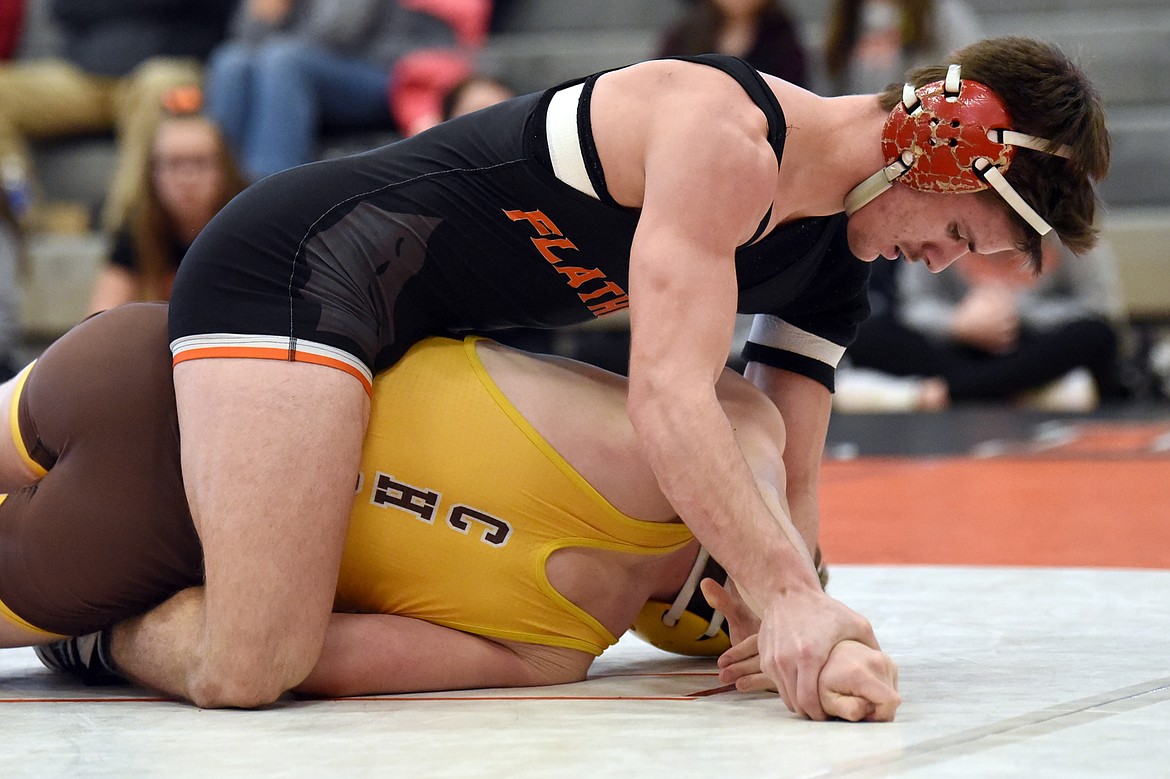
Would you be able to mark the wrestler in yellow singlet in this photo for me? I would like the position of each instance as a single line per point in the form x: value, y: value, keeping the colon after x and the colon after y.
x: 459, y: 504
x: 430, y: 503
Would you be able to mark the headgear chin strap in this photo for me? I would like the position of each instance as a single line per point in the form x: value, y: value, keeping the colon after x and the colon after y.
x: 689, y: 626
x: 952, y: 136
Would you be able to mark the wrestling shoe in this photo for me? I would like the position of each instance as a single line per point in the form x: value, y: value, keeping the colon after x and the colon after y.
x: 85, y: 658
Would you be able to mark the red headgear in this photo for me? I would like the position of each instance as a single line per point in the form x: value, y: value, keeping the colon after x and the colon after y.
x: 951, y: 136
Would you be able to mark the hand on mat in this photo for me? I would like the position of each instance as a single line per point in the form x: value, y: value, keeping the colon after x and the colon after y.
x: 797, y: 633
x: 857, y: 683
x: 780, y: 659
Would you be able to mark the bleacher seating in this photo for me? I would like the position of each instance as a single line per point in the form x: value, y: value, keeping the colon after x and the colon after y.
x: 1125, y: 47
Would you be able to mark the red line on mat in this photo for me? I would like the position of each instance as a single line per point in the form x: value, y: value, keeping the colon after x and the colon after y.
x: 85, y: 700
x: 713, y: 691
x: 517, y: 698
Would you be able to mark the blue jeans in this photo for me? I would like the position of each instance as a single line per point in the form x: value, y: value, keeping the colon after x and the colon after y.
x: 273, y: 99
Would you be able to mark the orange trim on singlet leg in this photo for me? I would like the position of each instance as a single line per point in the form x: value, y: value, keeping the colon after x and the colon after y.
x: 272, y: 353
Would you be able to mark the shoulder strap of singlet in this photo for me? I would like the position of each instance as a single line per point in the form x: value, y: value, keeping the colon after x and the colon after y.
x: 744, y: 74
x: 751, y: 81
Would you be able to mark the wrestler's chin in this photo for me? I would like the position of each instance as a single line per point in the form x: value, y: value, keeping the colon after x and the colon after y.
x: 857, y: 245
x: 866, y: 255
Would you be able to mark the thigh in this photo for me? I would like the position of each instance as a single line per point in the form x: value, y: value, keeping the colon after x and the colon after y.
x: 45, y: 98
x: 104, y: 534
x: 227, y: 87
x: 353, y: 93
x: 228, y: 65
x: 270, y: 454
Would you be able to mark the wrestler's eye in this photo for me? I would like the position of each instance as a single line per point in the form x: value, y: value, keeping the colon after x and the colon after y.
x: 958, y: 236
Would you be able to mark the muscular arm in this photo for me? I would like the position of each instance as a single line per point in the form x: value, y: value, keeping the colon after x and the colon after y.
x: 703, y: 196
x: 804, y: 404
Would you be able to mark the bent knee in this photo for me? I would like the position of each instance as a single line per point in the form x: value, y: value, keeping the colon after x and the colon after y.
x: 284, y: 55
x: 158, y: 74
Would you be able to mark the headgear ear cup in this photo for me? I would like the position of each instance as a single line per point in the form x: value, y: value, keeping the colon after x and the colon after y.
x: 689, y: 626
x: 688, y: 636
x: 951, y: 136
x: 946, y: 135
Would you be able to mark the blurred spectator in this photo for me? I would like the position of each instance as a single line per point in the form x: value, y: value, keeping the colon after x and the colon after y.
x: 988, y: 330
x: 473, y: 93
x: 191, y: 176
x: 11, y: 22
x: 294, y: 67
x: 870, y: 44
x: 118, y: 57
x: 760, y: 31
x: 500, y: 14
x: 10, y: 255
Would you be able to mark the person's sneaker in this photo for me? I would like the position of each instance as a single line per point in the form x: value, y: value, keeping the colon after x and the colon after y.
x: 1074, y: 392
x: 865, y: 391
x: 82, y: 657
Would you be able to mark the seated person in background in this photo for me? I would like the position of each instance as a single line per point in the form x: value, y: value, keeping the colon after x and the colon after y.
x: 989, y: 330
x: 295, y: 66
x: 871, y: 43
x: 509, y: 545
x: 762, y: 32
x: 11, y: 24
x: 116, y: 60
x: 473, y: 93
x: 190, y: 176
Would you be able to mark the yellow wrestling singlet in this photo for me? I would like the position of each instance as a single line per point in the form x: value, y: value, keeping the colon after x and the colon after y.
x: 443, y: 532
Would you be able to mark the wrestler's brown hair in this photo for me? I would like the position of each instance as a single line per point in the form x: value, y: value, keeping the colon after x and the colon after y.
x: 1049, y: 97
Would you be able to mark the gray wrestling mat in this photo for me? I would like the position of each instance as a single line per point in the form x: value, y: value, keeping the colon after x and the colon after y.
x: 1005, y: 672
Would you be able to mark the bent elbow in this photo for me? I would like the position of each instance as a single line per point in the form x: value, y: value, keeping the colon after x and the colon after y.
x: 654, y: 408
x: 229, y: 694
x: 243, y: 682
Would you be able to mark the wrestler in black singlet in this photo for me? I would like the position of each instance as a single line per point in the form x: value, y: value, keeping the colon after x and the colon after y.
x: 465, y: 227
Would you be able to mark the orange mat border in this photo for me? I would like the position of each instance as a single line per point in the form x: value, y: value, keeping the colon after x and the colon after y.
x: 1030, y: 511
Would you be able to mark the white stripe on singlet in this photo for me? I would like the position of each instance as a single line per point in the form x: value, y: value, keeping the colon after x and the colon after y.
x: 768, y: 330
x: 564, y: 142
